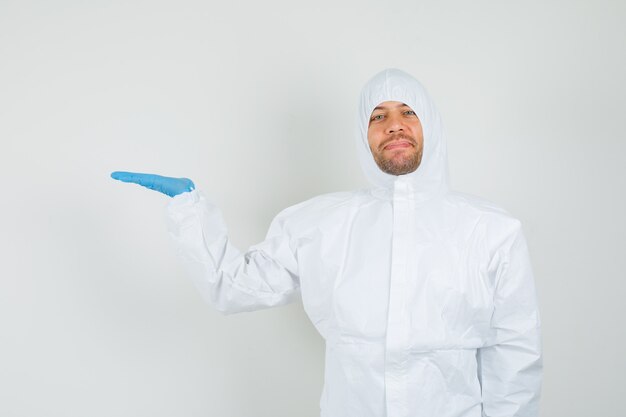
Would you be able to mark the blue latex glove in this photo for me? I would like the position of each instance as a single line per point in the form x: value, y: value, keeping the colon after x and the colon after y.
x: 166, y: 185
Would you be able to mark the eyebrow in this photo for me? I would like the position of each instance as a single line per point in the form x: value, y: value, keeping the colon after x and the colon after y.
x: 383, y: 108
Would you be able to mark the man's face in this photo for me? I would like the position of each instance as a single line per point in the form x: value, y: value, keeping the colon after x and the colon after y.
x: 395, y: 137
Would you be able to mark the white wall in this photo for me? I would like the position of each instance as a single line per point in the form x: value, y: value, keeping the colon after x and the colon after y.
x: 255, y: 102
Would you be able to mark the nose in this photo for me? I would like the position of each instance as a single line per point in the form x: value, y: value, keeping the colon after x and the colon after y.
x: 394, y: 124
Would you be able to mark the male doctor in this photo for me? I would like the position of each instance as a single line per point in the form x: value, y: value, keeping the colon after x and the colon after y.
x: 425, y: 296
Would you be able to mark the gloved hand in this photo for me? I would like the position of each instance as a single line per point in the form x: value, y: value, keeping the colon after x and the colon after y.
x: 166, y: 185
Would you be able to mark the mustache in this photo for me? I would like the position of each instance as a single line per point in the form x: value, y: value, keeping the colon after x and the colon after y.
x: 396, y: 137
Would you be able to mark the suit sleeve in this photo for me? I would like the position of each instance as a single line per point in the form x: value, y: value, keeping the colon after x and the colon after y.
x: 510, y: 366
x: 231, y: 281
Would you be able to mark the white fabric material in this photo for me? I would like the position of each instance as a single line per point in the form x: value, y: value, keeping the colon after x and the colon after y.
x: 425, y: 297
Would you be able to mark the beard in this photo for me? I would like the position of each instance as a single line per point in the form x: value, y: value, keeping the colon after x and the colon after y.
x: 398, y: 163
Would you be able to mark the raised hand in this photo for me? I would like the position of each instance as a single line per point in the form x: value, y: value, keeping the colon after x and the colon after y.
x: 166, y: 185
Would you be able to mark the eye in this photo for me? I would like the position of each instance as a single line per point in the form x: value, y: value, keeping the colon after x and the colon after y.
x: 376, y: 117
x: 411, y: 112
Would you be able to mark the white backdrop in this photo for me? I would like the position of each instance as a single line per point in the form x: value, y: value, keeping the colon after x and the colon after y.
x: 255, y: 102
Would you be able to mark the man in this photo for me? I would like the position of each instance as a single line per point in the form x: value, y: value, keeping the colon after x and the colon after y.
x: 425, y: 296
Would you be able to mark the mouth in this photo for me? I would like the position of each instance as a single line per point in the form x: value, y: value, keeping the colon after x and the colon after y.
x: 400, y: 144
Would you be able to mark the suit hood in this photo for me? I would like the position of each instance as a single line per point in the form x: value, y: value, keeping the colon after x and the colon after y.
x: 431, y: 177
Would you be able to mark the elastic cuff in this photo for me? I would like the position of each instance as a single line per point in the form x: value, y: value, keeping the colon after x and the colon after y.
x: 183, y: 199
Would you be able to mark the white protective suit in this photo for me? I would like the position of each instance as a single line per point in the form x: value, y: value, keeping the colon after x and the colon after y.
x: 424, y: 296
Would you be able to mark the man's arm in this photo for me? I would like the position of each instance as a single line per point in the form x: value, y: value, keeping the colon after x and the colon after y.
x: 510, y: 366
x: 229, y: 280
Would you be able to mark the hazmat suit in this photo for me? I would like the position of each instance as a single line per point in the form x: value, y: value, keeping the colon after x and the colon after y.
x: 424, y: 296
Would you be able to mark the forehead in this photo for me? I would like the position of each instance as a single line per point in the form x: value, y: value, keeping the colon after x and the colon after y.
x: 388, y: 105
